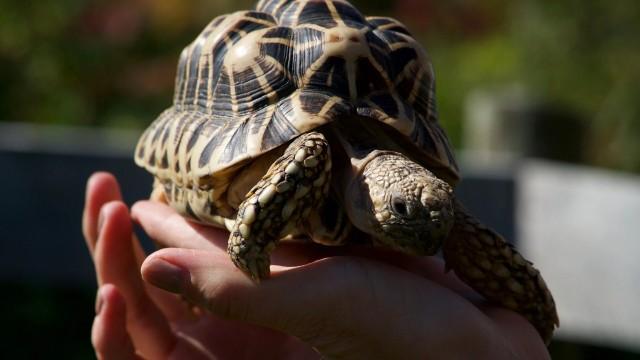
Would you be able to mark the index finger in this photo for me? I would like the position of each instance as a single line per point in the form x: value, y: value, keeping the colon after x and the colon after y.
x: 164, y: 225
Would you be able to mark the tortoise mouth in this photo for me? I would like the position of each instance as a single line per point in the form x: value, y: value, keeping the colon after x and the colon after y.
x: 422, y: 239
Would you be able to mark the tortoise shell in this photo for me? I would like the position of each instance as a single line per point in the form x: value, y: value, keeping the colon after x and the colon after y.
x: 255, y: 80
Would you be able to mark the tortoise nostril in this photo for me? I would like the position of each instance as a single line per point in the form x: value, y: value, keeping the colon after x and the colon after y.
x: 399, y: 207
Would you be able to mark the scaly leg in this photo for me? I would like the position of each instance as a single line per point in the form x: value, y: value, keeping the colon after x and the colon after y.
x: 492, y: 267
x: 296, y: 183
x: 158, y: 193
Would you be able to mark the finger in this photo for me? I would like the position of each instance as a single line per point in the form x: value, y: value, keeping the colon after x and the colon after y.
x: 518, y: 331
x: 102, y: 187
x: 172, y: 306
x: 332, y: 296
x: 428, y: 267
x: 210, y: 280
x: 116, y: 264
x: 109, y: 332
x: 169, y: 229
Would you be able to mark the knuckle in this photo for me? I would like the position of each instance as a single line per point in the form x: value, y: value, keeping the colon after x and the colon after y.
x: 224, y: 299
x: 99, y: 342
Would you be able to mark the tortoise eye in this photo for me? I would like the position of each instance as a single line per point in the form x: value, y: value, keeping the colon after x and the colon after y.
x: 399, y: 207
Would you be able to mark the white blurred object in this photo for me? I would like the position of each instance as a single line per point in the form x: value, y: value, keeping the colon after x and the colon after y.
x: 489, y: 131
x: 508, y: 121
x: 581, y: 227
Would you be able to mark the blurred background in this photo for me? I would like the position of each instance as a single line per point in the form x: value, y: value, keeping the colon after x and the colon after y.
x: 539, y: 97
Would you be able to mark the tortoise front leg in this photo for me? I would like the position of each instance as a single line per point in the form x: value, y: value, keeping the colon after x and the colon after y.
x: 491, y: 266
x: 296, y: 183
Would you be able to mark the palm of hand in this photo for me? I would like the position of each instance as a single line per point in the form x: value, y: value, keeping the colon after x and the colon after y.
x: 344, y: 302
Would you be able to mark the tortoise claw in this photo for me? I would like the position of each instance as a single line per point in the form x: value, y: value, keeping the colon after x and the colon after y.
x: 252, y: 261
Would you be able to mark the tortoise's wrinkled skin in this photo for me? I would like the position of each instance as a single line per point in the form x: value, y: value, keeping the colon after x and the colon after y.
x: 295, y: 104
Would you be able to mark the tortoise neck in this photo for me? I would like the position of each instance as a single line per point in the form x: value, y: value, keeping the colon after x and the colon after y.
x: 354, y: 144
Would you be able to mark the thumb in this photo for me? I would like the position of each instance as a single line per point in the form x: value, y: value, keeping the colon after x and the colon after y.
x: 343, y: 306
x: 309, y: 302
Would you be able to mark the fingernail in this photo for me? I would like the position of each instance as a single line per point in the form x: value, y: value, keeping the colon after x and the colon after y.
x: 166, y: 275
x: 89, y: 185
x: 101, y: 216
x: 99, y: 301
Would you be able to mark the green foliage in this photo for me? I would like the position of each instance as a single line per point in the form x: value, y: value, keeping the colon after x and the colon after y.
x: 467, y: 65
x: 587, y: 54
x: 582, y: 54
x: 94, y: 62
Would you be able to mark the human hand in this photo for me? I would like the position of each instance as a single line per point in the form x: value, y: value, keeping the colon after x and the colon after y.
x: 135, y: 319
x: 345, y: 302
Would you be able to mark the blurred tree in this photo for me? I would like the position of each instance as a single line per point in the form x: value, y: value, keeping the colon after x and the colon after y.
x: 587, y: 54
x: 583, y: 54
x: 95, y: 62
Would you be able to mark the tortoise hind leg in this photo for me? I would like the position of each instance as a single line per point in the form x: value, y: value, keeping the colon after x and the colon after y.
x: 487, y: 263
x: 296, y: 183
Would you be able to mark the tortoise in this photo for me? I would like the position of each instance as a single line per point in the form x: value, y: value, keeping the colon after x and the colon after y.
x: 305, y: 117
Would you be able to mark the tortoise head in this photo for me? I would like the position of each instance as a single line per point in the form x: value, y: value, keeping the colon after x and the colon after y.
x: 401, y: 204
